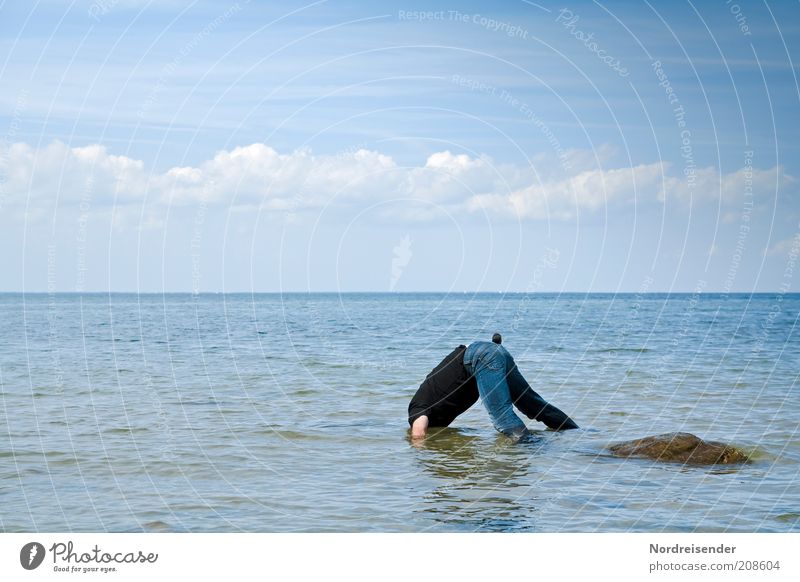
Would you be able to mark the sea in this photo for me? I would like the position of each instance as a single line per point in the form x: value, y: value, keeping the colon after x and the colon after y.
x: 288, y: 413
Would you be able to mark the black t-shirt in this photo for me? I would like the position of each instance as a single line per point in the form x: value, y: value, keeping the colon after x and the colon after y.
x: 447, y: 391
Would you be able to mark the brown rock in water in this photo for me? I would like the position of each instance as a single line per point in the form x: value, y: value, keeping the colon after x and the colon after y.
x: 680, y: 447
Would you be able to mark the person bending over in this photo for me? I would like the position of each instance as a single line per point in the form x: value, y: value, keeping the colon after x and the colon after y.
x: 485, y: 370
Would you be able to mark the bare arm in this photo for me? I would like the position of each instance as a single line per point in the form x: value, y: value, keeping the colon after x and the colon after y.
x: 420, y: 427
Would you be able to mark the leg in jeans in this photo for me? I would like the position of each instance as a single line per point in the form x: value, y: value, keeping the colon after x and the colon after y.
x: 530, y: 403
x: 488, y: 362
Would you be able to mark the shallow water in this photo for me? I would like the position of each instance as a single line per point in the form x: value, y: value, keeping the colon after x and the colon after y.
x: 287, y: 413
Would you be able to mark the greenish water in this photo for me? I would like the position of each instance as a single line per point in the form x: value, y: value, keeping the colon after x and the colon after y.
x: 287, y: 413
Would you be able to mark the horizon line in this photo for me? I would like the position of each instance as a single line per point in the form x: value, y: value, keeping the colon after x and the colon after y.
x: 649, y: 292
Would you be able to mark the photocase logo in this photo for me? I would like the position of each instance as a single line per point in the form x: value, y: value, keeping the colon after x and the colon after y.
x: 31, y: 555
x: 402, y: 256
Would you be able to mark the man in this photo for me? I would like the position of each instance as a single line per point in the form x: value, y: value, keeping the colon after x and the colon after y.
x: 484, y: 369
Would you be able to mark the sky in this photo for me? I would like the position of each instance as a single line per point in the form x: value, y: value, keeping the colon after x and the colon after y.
x: 399, y: 146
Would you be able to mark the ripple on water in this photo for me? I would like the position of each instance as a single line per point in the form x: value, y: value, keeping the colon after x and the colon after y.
x: 297, y: 436
x: 126, y: 430
x: 623, y: 350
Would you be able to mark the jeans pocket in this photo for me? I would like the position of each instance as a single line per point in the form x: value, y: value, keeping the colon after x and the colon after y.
x: 493, y: 363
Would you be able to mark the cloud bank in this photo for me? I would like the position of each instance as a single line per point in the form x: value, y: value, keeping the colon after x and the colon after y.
x: 257, y: 176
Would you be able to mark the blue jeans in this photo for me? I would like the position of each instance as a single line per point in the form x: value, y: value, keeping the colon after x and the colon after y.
x: 500, y: 384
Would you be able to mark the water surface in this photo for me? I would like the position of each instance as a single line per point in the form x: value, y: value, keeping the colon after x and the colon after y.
x: 276, y: 413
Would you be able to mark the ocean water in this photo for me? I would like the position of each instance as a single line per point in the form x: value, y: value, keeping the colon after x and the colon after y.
x: 274, y: 413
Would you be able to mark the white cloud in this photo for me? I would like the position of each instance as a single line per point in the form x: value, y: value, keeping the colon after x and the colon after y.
x: 563, y: 199
x: 57, y: 171
x: 257, y: 176
x: 708, y: 184
x: 784, y: 247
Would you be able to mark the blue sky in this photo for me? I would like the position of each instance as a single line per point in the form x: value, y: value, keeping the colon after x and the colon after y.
x: 399, y: 146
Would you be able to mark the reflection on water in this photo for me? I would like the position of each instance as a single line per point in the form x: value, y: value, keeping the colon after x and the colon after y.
x: 481, y: 483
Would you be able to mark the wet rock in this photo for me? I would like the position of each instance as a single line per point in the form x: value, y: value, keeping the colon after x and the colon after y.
x: 680, y: 447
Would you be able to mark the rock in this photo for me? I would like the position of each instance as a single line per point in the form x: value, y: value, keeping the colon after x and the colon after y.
x: 680, y: 447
